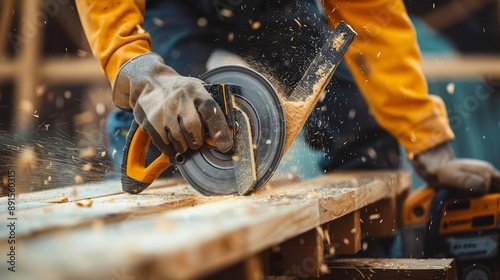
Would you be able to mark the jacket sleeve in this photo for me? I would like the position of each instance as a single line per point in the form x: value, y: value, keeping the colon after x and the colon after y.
x: 113, y: 29
x: 385, y: 61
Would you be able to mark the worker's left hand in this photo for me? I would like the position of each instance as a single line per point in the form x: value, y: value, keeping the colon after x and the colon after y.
x: 440, y: 169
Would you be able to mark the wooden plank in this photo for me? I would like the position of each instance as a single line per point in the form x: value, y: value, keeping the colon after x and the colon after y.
x: 345, y: 234
x: 383, y: 269
x: 74, y: 193
x: 181, y: 242
x: 26, y: 74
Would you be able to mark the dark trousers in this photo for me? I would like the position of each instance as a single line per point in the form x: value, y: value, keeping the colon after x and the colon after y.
x: 279, y: 39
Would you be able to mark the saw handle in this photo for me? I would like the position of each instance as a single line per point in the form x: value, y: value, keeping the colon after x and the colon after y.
x: 135, y: 175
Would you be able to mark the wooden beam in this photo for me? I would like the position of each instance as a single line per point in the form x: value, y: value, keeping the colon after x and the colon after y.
x: 453, y: 12
x: 174, y: 232
x: 58, y: 70
x: 383, y: 269
x: 379, y: 219
x: 301, y: 256
x: 459, y: 67
x: 7, y: 12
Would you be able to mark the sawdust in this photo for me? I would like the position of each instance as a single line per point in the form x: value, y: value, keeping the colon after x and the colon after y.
x: 297, y: 112
x: 339, y: 41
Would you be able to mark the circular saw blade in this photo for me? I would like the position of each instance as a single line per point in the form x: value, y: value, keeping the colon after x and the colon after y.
x: 211, y: 172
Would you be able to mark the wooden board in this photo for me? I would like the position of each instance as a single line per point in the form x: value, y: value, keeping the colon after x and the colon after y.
x: 383, y: 269
x: 174, y: 232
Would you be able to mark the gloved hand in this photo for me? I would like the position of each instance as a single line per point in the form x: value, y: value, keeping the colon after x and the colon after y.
x: 440, y: 169
x: 174, y: 110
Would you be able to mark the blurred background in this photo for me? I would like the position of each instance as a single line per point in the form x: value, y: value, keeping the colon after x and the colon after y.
x: 54, y: 99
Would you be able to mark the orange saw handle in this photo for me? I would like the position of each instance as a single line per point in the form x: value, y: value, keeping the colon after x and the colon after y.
x: 136, y: 176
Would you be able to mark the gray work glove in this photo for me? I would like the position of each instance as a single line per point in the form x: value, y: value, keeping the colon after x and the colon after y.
x: 174, y: 110
x: 440, y: 169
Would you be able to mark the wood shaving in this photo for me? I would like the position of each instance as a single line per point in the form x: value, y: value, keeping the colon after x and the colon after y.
x: 84, y: 203
x: 62, y: 199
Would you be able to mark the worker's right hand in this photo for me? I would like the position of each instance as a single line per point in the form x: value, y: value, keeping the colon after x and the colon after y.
x: 174, y: 110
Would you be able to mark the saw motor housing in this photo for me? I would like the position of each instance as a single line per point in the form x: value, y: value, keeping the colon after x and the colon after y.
x: 437, y: 224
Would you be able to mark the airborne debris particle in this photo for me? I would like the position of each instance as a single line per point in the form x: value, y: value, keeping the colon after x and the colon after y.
x: 371, y: 153
x: 352, y: 113
x: 87, y: 152
x: 27, y: 158
x: 158, y: 21
x: 100, y: 109
x: 202, y: 22
x: 450, y: 88
x: 374, y: 216
x: 256, y: 25
x: 78, y: 179
x: 324, y: 269
x: 298, y: 22
x: 226, y: 13
x: 87, y: 167
x: 230, y: 36
x: 40, y: 90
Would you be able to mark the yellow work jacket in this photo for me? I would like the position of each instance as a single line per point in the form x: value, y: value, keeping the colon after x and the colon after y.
x: 384, y: 59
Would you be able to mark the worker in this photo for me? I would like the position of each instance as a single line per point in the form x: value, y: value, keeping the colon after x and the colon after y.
x: 176, y: 111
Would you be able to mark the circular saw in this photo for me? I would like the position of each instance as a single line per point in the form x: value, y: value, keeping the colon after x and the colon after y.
x: 255, y: 116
